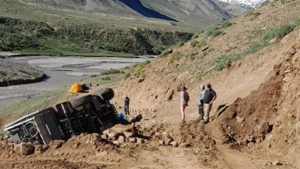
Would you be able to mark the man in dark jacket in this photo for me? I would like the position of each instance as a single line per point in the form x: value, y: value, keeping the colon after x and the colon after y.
x: 209, y: 97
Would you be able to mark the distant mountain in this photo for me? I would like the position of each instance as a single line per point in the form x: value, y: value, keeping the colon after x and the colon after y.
x: 245, y: 3
x: 207, y: 11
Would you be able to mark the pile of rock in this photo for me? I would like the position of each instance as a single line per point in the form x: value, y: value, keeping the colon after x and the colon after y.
x: 120, y: 134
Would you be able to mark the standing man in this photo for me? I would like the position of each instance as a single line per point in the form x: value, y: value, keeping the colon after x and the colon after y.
x: 126, y: 105
x: 184, y: 99
x: 200, y: 102
x: 209, y: 97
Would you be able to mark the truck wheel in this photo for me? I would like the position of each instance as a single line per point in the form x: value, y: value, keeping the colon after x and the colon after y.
x: 82, y: 100
x: 106, y: 93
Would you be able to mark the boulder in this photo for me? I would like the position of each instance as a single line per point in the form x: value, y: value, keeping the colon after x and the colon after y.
x: 184, y: 145
x: 161, y: 142
x: 121, y: 139
x: 116, y: 142
x: 168, y: 141
x: 121, y: 130
x: 240, y: 119
x: 174, y: 144
x: 140, y: 141
x: 132, y: 139
x: 24, y: 149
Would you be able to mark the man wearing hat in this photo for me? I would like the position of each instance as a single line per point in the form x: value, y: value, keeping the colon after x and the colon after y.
x: 184, y: 99
x: 208, y: 99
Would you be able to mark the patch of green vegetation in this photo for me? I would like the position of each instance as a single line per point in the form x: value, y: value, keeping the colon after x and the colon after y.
x: 256, y: 46
x: 202, y: 43
x: 176, y: 55
x: 164, y: 53
x: 194, y: 43
x: 112, y: 71
x: 2, y: 133
x: 139, y: 67
x: 253, y: 12
x: 31, y: 37
x: 215, y: 29
x: 286, y: 1
x: 278, y: 32
x: 3, y: 73
x: 179, y: 44
x: 225, y: 24
x: 297, y: 22
x: 106, y: 78
x: 223, y: 62
x: 30, y: 73
x: 216, y: 33
x: 127, y: 75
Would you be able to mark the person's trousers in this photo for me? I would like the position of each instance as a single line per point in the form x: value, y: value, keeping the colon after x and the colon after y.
x: 126, y: 109
x: 207, y: 108
x: 201, y: 112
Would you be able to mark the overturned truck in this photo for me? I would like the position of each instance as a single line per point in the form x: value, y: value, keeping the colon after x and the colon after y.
x: 87, y: 114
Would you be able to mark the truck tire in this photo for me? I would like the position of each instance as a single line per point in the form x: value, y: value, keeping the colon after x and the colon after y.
x: 106, y: 93
x: 82, y: 100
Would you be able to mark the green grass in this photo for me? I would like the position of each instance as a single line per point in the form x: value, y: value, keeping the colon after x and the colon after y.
x: 2, y: 133
x: 278, y: 32
x: 223, y: 62
x: 214, y: 30
x: 35, y: 103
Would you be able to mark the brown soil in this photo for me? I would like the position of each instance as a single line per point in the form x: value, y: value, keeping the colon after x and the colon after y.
x: 258, y: 129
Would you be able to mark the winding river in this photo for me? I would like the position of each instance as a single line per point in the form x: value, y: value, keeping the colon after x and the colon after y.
x: 61, y: 71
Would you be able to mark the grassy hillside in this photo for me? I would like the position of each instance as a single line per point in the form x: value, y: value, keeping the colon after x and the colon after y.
x: 39, y: 29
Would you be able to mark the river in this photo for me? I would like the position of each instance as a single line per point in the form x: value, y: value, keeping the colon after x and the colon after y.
x: 61, y: 71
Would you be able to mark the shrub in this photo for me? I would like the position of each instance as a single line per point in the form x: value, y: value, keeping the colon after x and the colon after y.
x: 215, y: 29
x: 257, y: 46
x: 165, y: 52
x: 106, y: 78
x: 2, y: 73
x: 140, y: 67
x: 92, y: 76
x: 254, y: 13
x: 194, y: 43
x: 223, y: 62
x: 278, y: 32
x: 225, y: 24
x: 179, y: 44
x: 202, y: 43
x: 112, y: 71
x: 297, y: 22
x: 176, y: 55
x: 216, y: 33
x: 147, y: 62
x: 127, y: 75
x: 195, y: 36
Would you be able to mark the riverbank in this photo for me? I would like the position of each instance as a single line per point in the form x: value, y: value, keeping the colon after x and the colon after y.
x: 60, y: 71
